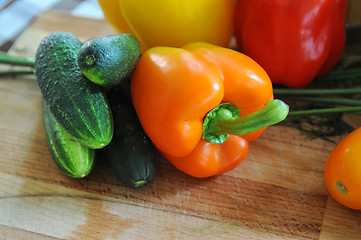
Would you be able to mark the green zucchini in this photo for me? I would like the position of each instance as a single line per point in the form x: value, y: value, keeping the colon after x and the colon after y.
x: 130, y: 154
x: 109, y: 60
x: 79, y: 105
x: 72, y: 158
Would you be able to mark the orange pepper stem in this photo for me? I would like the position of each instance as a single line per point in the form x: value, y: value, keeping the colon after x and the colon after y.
x: 225, y: 119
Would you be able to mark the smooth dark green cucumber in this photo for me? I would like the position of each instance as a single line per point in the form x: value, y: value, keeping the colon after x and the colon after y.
x: 72, y: 158
x: 109, y: 60
x: 131, y: 154
x: 79, y: 105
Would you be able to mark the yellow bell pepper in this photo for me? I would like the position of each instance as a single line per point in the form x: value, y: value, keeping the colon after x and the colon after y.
x: 172, y: 22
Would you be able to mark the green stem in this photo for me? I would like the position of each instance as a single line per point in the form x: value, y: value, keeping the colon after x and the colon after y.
x: 287, y: 91
x: 339, y: 101
x: 341, y: 187
x: 16, y: 61
x: 15, y: 72
x: 324, y: 111
x: 343, y: 74
x: 225, y: 119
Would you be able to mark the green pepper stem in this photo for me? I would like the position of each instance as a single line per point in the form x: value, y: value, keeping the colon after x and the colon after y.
x: 286, y: 91
x: 225, y: 120
x: 16, y: 61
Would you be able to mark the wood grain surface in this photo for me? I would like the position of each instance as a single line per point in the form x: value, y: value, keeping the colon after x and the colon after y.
x: 278, y: 192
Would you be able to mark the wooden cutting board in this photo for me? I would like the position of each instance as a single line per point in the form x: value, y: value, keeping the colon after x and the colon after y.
x: 278, y: 192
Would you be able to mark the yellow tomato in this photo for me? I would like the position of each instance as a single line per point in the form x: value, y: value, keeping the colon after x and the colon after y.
x: 172, y: 22
x: 343, y: 171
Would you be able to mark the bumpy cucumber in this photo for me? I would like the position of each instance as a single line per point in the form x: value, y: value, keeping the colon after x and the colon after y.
x: 131, y: 154
x: 72, y: 158
x: 78, y: 104
x: 109, y: 60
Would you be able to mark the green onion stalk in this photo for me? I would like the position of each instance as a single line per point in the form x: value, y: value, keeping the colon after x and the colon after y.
x: 10, y: 60
x: 340, y: 96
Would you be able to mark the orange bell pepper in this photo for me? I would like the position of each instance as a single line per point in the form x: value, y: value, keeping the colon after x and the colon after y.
x: 201, y: 104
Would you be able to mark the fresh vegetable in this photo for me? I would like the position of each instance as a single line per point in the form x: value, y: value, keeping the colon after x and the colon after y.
x: 294, y: 41
x: 131, y: 154
x: 343, y: 171
x: 173, y: 89
x: 172, y: 23
x: 72, y: 158
x: 315, y: 95
x: 8, y: 59
x: 79, y: 105
x: 109, y: 60
x: 15, y: 60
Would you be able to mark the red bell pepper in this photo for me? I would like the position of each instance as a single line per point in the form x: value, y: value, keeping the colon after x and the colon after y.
x: 294, y: 41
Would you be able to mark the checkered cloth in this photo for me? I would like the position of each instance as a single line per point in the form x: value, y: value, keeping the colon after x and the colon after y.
x: 16, y: 15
